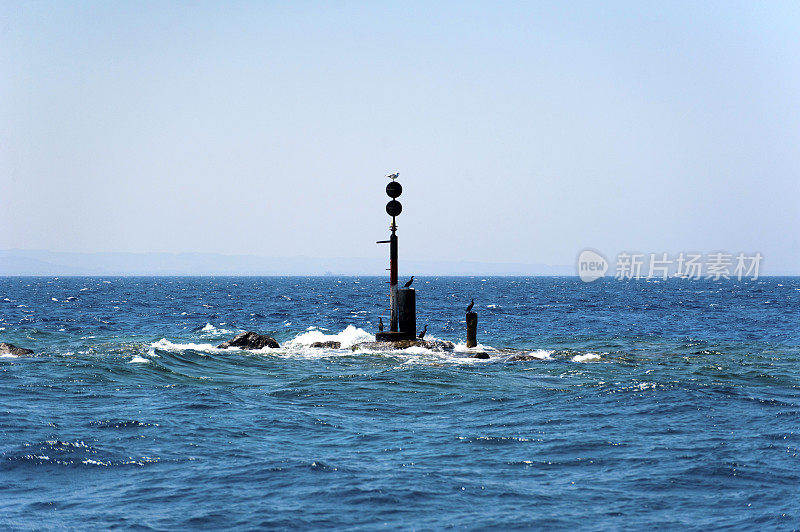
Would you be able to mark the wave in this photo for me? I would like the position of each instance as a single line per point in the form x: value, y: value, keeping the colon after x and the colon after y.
x: 350, y: 336
x: 210, y: 330
x: 166, y: 345
x: 301, y: 347
x: 542, y: 354
x: 71, y: 453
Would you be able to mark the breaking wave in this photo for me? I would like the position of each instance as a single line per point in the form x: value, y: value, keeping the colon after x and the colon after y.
x: 350, y: 336
x: 542, y: 354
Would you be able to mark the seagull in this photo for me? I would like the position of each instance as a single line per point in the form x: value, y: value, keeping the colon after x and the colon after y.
x: 409, y: 282
x: 422, y: 334
x: 469, y: 307
x: 393, y: 176
x: 380, y: 323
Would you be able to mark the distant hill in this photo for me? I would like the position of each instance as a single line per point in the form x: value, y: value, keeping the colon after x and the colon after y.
x: 15, y: 262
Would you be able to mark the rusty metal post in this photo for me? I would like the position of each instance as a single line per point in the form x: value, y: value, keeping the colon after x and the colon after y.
x: 393, y: 323
x: 407, y: 311
x: 472, y: 329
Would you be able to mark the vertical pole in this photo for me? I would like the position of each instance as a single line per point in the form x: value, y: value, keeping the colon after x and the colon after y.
x: 393, y: 278
x: 407, y: 311
x: 472, y: 329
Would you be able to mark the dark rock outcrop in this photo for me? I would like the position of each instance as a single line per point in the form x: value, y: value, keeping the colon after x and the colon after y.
x: 521, y: 358
x: 250, y: 340
x: 9, y: 349
x: 481, y: 355
x: 331, y: 344
x: 434, y: 345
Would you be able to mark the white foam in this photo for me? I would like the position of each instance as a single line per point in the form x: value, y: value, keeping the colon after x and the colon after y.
x: 588, y: 357
x: 417, y: 350
x: 462, y: 347
x: 300, y: 347
x: 166, y: 345
x: 138, y: 360
x: 542, y: 354
x: 350, y: 336
x: 210, y: 330
x: 7, y: 355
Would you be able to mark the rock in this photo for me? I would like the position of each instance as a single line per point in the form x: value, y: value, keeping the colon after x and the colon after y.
x: 9, y: 349
x: 481, y: 355
x: 522, y: 358
x: 434, y: 345
x: 250, y: 340
x: 440, y: 344
x: 331, y: 344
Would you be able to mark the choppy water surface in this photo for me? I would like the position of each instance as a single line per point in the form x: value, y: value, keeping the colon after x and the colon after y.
x: 670, y: 404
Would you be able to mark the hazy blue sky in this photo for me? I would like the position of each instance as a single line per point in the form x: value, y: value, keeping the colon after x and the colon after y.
x: 523, y: 132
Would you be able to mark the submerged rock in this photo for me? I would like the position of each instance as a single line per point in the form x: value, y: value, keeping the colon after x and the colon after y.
x: 482, y: 355
x: 434, y: 345
x: 10, y: 349
x: 250, y: 340
x: 331, y: 344
x: 443, y: 345
x: 522, y: 358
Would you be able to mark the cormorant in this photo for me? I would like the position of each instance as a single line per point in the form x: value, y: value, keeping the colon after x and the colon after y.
x: 469, y: 307
x: 409, y: 282
x: 380, y: 323
x: 422, y: 334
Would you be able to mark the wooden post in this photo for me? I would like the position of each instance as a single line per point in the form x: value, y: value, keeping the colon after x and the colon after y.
x: 472, y: 329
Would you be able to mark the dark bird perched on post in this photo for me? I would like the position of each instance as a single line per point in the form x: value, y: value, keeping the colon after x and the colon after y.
x: 409, y: 282
x: 472, y: 304
x: 422, y: 334
x: 380, y: 323
x: 393, y: 176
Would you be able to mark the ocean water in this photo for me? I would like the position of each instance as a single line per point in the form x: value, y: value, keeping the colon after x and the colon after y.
x: 670, y: 404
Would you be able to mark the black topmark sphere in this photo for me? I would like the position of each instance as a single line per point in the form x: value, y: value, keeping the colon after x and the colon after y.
x: 394, y: 208
x: 394, y: 189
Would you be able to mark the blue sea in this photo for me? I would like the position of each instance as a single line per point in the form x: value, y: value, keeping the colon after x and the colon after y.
x: 645, y: 404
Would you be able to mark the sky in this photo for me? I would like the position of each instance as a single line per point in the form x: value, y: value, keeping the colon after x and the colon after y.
x: 523, y: 132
